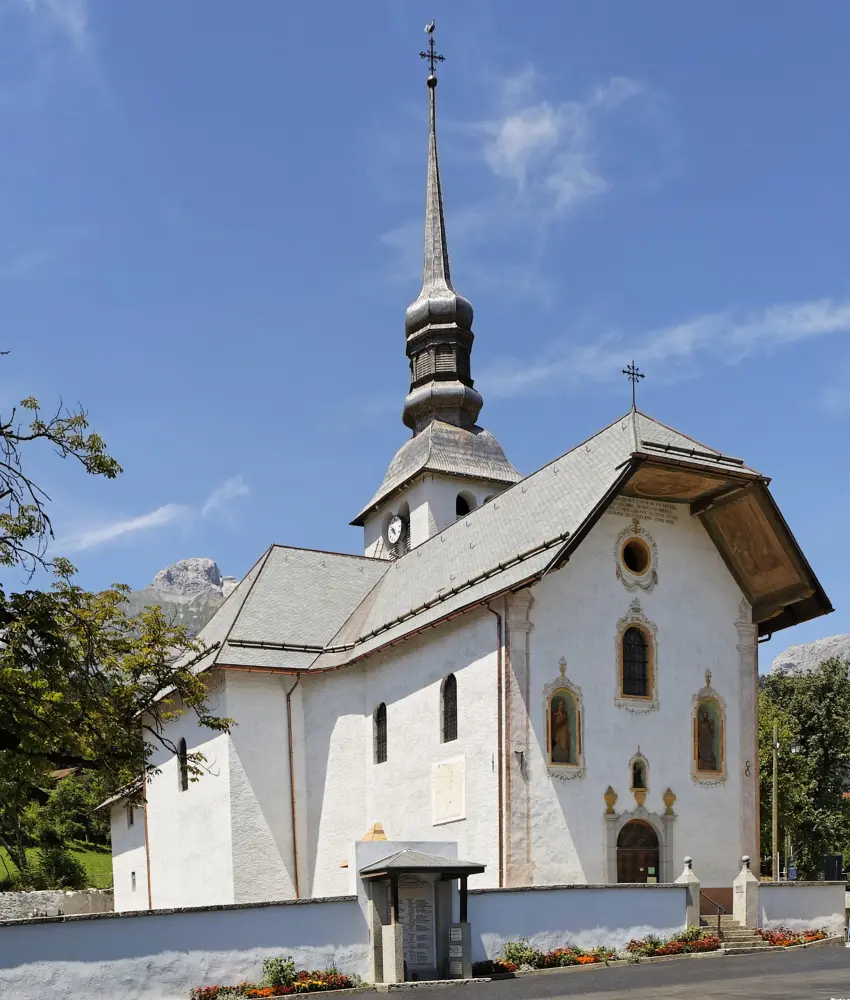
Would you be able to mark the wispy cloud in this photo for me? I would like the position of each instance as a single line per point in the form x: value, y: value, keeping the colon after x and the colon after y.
x: 70, y: 18
x: 538, y: 158
x: 98, y: 535
x: 552, y: 151
x: 726, y: 338
x: 93, y: 536
x: 231, y: 489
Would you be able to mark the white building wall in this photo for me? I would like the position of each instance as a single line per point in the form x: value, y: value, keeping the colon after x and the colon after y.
x: 349, y: 791
x: 129, y: 857
x: 261, y: 811
x: 189, y: 832
x: 575, y: 612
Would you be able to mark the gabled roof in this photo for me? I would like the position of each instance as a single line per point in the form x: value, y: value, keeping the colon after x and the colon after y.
x: 448, y: 450
x: 408, y: 862
x: 299, y: 609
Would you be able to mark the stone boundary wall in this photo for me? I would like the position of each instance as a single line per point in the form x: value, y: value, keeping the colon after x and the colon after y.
x: 802, y: 906
x: 54, y: 902
x: 584, y: 915
x: 162, y: 954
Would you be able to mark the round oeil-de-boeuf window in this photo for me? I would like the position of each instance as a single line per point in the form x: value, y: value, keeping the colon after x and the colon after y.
x: 635, y: 556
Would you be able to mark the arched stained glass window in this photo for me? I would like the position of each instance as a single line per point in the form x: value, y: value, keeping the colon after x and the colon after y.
x: 450, y: 709
x: 635, y: 663
x: 381, y: 734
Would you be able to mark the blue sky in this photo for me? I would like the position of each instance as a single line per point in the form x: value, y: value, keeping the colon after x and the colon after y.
x: 211, y: 227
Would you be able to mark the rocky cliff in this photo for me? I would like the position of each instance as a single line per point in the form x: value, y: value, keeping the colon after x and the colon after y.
x: 189, y: 592
x: 808, y: 655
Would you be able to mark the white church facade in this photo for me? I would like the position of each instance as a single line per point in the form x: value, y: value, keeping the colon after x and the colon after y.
x: 556, y: 673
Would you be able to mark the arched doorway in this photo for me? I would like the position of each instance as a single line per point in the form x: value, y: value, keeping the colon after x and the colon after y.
x: 637, y: 853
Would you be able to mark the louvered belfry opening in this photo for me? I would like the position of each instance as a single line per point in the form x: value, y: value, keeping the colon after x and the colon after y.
x: 635, y: 663
x: 381, y: 734
x: 450, y: 709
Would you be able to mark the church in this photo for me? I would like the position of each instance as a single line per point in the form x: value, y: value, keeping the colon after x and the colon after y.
x: 557, y: 673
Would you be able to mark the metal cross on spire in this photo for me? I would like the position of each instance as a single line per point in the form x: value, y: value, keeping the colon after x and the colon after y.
x: 431, y: 55
x: 633, y: 373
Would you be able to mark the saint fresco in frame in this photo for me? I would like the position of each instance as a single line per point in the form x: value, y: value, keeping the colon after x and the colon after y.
x: 708, y: 736
x: 564, y: 728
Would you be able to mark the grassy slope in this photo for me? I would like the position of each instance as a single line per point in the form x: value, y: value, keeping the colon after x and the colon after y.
x: 96, y: 861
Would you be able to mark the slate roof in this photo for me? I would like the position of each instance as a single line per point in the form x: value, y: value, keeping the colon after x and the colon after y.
x: 449, y: 450
x: 296, y: 597
x: 300, y: 609
x: 415, y: 861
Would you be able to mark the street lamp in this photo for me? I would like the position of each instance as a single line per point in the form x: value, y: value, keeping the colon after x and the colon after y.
x: 796, y: 747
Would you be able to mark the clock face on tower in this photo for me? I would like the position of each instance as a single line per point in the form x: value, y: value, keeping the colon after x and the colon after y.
x: 395, y: 530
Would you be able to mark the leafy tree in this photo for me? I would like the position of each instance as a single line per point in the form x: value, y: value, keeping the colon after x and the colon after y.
x: 815, y: 706
x: 82, y: 684
x: 25, y: 525
x: 70, y: 809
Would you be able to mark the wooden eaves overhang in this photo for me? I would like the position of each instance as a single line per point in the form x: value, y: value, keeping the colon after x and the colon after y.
x: 742, y: 519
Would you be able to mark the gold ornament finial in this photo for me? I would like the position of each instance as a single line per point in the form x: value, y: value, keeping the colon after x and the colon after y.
x: 562, y: 663
x: 708, y: 678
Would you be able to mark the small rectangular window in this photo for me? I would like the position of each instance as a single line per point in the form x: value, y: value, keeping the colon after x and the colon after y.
x: 132, y: 881
x: 381, y: 734
x: 131, y: 818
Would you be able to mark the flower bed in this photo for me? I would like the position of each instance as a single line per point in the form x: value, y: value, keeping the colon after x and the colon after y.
x: 692, y: 940
x: 494, y: 967
x: 519, y: 955
x: 279, y: 980
x: 785, y: 938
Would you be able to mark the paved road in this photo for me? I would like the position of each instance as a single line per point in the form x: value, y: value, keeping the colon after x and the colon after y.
x: 816, y: 973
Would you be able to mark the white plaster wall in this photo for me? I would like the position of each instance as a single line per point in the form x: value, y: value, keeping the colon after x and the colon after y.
x: 128, y: 856
x: 586, y: 916
x: 259, y: 787
x: 161, y: 956
x: 802, y: 906
x: 349, y: 792
x: 575, y: 612
x: 430, y: 501
x: 190, y: 832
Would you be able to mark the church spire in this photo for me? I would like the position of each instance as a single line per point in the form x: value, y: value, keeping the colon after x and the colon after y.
x: 438, y: 325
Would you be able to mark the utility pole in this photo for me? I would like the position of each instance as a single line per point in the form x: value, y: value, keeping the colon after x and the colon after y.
x: 775, y: 844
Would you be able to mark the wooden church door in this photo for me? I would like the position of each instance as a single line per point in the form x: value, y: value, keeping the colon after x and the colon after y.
x: 637, y: 853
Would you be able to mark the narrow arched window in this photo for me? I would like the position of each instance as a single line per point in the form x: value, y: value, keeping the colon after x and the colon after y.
x: 450, y: 709
x: 381, y: 734
x: 635, y: 663
x: 183, y: 765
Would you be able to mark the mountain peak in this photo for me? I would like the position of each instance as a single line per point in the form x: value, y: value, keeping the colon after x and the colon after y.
x: 809, y: 655
x: 189, y: 591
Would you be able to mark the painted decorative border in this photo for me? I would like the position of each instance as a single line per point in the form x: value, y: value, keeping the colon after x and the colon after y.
x: 708, y: 693
x: 635, y: 703
x: 633, y: 581
x: 565, y: 772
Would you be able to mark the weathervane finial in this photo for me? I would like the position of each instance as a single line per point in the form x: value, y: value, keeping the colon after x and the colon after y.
x: 431, y: 55
x: 633, y: 373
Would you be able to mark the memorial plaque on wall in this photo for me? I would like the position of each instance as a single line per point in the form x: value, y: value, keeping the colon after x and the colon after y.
x: 416, y: 912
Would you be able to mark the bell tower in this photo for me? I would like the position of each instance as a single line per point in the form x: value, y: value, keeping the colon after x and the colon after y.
x: 450, y: 465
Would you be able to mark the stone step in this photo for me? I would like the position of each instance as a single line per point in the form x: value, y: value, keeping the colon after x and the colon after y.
x: 750, y: 950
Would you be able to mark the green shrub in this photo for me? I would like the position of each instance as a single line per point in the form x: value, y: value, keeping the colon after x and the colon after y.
x: 521, y: 953
x: 58, y: 869
x: 278, y: 971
